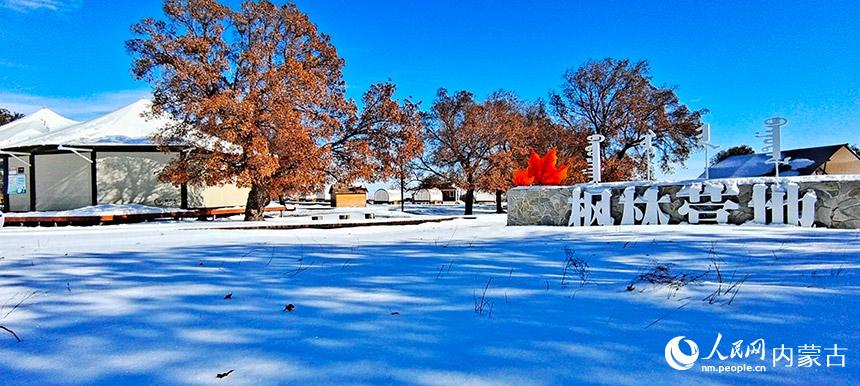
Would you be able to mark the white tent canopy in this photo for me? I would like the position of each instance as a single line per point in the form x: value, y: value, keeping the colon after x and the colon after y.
x: 126, y: 126
x: 387, y: 195
x: 37, y: 124
x: 130, y: 125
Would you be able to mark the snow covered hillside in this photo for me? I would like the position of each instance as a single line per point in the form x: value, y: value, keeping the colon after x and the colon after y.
x: 462, y: 302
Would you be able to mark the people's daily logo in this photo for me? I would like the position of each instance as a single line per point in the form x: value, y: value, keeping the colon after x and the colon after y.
x: 739, y: 356
x: 676, y: 358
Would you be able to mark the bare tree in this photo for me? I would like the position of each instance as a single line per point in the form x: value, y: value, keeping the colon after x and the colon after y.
x: 617, y: 99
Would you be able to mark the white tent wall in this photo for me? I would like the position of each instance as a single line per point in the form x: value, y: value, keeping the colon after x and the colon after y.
x: 481, y: 196
x: 132, y: 178
x: 315, y: 197
x: 63, y: 182
x: 19, y: 202
x: 427, y: 196
x: 387, y: 196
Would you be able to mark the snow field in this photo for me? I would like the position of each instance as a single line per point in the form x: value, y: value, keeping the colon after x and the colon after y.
x: 468, y: 301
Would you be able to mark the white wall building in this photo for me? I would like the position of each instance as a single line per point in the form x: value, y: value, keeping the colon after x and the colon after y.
x: 107, y: 160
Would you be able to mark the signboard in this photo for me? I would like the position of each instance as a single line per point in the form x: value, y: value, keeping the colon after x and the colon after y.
x: 17, y: 184
x: 819, y: 201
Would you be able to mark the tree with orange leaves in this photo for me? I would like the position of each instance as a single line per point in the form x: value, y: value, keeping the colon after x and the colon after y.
x: 617, y: 99
x: 478, y: 145
x: 502, y: 113
x: 258, y: 96
x: 521, y: 126
x: 404, y: 143
x: 461, y: 137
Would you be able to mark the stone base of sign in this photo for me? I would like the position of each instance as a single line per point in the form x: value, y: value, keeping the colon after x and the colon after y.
x: 838, y: 204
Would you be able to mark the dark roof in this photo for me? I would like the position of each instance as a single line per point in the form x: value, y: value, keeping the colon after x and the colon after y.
x: 344, y: 189
x: 803, y: 162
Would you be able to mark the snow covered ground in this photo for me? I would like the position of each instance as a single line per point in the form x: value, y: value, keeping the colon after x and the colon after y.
x: 145, y: 303
x: 302, y: 214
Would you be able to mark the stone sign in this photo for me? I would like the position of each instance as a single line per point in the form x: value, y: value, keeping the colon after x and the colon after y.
x: 826, y: 201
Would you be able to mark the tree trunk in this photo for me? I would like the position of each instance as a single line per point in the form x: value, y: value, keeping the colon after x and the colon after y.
x: 402, y: 194
x: 470, y: 200
x: 499, y: 201
x: 258, y: 199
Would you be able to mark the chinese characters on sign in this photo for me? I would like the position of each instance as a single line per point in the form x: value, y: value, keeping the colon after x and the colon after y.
x: 652, y: 213
x: 708, y: 199
x: 783, y: 198
x: 588, y: 207
x: 713, y: 202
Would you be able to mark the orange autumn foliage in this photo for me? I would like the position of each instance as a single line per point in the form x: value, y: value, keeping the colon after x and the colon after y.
x: 541, y: 170
x: 257, y: 97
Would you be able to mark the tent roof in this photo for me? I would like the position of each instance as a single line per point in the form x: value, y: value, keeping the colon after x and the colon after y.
x: 803, y: 162
x: 37, y: 124
x: 126, y: 126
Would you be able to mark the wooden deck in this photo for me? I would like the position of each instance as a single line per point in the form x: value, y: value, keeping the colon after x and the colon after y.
x: 13, y: 220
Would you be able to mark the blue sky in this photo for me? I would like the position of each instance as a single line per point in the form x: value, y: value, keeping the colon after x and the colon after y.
x: 743, y: 60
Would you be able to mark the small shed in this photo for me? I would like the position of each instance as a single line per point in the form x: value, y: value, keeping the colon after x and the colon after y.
x: 348, y: 196
x: 451, y: 193
x: 389, y: 196
x: 432, y: 196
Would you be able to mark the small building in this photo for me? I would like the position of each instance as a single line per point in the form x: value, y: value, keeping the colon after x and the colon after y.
x: 348, y: 196
x: 454, y: 194
x: 106, y: 160
x: 451, y: 193
x: 833, y: 159
x: 387, y: 196
x: 428, y: 196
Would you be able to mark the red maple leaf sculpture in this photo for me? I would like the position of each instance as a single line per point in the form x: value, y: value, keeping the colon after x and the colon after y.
x: 522, y: 177
x: 541, y: 170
